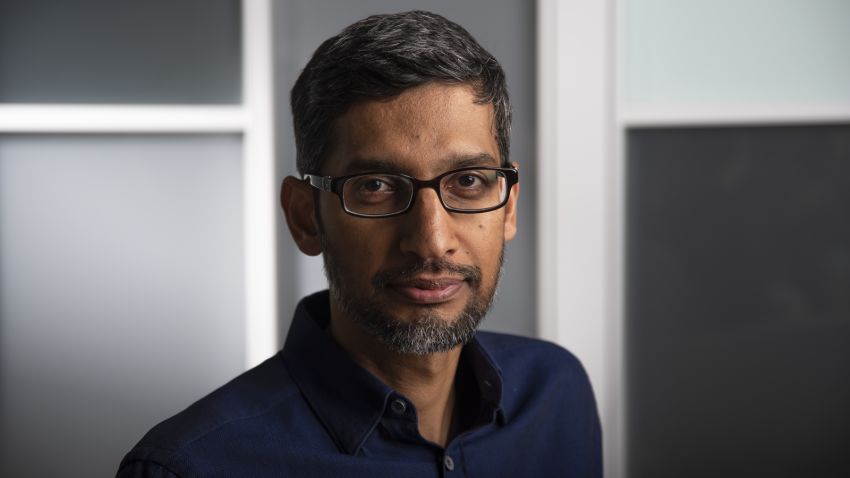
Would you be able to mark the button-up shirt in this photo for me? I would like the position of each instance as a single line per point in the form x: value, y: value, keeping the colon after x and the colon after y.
x: 524, y: 408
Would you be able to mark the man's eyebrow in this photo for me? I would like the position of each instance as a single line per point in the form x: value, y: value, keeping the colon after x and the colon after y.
x: 362, y: 165
x: 463, y: 160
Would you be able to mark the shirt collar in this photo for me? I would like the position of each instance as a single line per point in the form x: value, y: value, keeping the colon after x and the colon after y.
x: 488, y: 377
x: 348, y: 400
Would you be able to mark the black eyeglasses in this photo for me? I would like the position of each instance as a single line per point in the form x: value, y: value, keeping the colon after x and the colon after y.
x: 465, y: 190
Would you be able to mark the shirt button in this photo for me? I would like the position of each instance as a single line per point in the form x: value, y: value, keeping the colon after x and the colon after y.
x: 449, y: 463
x: 398, y: 406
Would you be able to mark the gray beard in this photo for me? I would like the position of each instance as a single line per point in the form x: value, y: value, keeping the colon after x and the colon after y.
x: 428, y: 333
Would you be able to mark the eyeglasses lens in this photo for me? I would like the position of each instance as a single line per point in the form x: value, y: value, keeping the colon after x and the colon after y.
x: 377, y: 194
x: 471, y: 190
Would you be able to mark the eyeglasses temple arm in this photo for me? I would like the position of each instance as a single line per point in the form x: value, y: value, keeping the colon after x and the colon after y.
x: 324, y: 183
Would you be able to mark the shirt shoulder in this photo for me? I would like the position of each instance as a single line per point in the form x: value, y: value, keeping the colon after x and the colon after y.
x: 534, y: 368
x: 548, y: 405
x: 516, y: 354
x: 230, y: 415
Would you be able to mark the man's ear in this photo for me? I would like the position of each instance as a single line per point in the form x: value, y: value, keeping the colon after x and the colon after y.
x: 296, y: 199
x: 510, y: 210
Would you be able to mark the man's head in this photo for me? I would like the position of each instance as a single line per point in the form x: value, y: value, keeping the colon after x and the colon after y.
x: 409, y: 94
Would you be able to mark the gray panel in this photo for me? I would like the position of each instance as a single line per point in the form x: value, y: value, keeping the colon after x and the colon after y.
x: 103, y: 51
x: 738, y: 315
x: 121, y: 291
x: 507, y: 29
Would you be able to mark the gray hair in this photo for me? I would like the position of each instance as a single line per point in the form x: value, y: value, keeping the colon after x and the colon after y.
x: 381, y: 56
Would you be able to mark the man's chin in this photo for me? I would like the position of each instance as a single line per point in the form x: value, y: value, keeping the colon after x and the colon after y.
x: 432, y: 315
x: 408, y: 328
x: 421, y: 332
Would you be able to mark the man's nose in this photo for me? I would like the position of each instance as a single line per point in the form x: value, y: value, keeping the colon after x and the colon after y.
x: 428, y: 230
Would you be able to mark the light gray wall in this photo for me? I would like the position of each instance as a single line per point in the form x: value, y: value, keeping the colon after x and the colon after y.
x: 735, y: 52
x: 121, y: 291
x: 506, y: 28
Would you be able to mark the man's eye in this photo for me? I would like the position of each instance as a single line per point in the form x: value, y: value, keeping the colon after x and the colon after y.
x: 468, y: 181
x: 371, y: 189
x: 374, y: 185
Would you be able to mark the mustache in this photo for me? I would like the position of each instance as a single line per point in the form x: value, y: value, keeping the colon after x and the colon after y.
x: 471, y: 274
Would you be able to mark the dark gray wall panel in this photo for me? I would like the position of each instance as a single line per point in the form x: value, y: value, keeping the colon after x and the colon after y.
x: 103, y: 51
x: 738, y: 314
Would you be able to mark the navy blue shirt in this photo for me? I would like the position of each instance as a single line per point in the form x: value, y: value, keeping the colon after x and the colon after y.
x: 525, y: 408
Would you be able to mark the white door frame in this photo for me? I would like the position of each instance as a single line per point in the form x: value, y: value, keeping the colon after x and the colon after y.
x: 579, y: 200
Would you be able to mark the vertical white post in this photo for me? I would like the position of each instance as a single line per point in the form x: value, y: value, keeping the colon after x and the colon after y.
x: 578, y: 265
x: 548, y: 98
x: 258, y: 182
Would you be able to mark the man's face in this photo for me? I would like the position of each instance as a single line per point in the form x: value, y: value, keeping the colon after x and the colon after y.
x: 423, y: 280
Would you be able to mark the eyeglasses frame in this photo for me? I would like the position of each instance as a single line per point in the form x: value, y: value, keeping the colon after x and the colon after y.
x: 335, y: 185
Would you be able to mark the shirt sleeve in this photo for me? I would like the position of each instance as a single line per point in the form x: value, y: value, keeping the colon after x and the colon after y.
x: 589, y: 429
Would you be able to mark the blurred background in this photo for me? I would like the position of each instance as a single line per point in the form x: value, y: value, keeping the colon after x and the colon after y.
x: 683, y: 224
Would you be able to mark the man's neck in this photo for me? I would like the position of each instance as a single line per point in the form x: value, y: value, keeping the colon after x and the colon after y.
x: 427, y: 380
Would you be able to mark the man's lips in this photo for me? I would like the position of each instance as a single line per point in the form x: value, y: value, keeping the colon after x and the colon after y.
x: 428, y: 290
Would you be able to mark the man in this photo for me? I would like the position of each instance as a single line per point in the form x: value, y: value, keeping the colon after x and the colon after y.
x: 401, y: 125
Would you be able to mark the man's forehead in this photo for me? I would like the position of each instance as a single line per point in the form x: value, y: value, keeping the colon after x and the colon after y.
x: 434, y: 126
x: 430, y: 96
